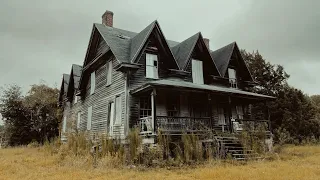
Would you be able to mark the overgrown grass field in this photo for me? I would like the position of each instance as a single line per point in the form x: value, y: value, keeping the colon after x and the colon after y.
x: 293, y: 162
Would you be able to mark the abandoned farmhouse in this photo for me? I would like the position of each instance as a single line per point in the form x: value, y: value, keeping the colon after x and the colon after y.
x: 141, y: 79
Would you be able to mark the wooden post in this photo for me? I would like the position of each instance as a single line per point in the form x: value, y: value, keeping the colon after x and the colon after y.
x: 230, y: 114
x: 268, y: 115
x: 153, y: 110
x: 210, y: 110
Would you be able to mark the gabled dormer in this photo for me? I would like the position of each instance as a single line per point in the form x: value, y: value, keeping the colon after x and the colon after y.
x: 193, y: 56
x: 63, y: 89
x: 232, y: 66
x: 150, y: 49
x: 73, y: 85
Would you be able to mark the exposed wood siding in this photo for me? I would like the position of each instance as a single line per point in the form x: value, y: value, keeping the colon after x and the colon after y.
x: 101, y: 98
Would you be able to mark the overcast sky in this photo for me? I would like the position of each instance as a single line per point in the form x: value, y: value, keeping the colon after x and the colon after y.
x: 41, y: 39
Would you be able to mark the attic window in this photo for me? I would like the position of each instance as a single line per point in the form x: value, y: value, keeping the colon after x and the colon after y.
x: 232, y: 77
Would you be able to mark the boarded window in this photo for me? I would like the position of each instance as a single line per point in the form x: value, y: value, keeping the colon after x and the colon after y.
x: 232, y: 77
x: 145, y: 106
x: 64, y: 125
x: 89, y: 120
x: 111, y: 117
x: 109, y: 72
x: 93, y: 82
x: 118, y: 110
x: 78, y: 120
x: 151, y: 66
x: 197, y: 71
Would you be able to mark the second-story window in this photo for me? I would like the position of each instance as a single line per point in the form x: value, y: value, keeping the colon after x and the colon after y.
x: 93, y: 82
x: 197, y: 71
x: 109, y: 72
x: 151, y: 66
x: 232, y: 77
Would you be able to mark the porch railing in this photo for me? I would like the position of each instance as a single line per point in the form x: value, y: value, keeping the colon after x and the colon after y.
x: 182, y: 124
x: 251, y: 125
x: 145, y: 125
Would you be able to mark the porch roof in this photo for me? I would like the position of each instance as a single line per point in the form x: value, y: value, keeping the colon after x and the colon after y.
x: 193, y: 86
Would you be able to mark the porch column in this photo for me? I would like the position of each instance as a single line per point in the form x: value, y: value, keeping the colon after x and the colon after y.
x: 267, y: 112
x: 153, y: 110
x: 230, y: 114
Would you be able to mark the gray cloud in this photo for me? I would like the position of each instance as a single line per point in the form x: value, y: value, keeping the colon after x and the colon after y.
x: 40, y: 40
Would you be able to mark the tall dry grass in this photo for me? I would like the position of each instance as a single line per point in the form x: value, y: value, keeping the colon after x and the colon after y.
x: 293, y: 162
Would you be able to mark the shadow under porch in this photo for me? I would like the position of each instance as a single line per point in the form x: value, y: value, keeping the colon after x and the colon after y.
x: 174, y: 112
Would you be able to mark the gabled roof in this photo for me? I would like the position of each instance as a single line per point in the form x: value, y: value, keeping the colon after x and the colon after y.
x: 139, y: 40
x: 118, y: 40
x: 64, y: 86
x: 76, y: 74
x: 126, y: 45
x: 183, y: 50
x: 65, y: 80
x: 223, y: 55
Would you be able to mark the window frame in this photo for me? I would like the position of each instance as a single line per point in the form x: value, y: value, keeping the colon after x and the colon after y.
x: 92, y: 82
x: 109, y: 69
x: 146, y: 109
x: 89, y: 120
x: 154, y: 68
x: 197, y: 71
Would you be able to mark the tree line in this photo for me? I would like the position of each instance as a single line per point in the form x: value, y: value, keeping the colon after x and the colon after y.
x: 294, y: 115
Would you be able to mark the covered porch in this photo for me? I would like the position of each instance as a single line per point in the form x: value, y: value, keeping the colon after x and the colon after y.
x: 177, y: 110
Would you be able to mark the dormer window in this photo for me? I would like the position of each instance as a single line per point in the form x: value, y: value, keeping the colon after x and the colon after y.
x: 232, y: 77
x: 151, y: 66
x: 197, y: 71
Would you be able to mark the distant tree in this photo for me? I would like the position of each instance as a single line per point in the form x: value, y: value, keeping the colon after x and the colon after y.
x: 41, y: 102
x: 291, y: 111
x: 33, y: 117
x: 15, y: 116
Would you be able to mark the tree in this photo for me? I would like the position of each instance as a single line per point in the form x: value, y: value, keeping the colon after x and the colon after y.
x: 33, y: 117
x: 15, y: 116
x: 291, y: 111
x: 41, y: 102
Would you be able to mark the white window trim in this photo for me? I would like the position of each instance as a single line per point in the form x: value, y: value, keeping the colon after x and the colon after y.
x: 89, y: 118
x: 232, y: 80
x: 109, y: 69
x: 118, y: 111
x: 152, y: 71
x: 78, y: 120
x: 64, y: 124
x: 111, y: 116
x: 92, y: 82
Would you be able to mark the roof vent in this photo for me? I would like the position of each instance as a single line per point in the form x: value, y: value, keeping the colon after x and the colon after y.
x: 122, y: 36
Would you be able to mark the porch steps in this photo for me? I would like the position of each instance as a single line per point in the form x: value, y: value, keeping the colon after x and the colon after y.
x: 233, y: 146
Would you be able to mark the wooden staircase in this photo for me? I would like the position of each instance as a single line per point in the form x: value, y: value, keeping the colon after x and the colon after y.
x: 231, y: 147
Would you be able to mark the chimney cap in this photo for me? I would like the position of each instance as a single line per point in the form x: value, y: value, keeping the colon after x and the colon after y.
x: 107, y: 12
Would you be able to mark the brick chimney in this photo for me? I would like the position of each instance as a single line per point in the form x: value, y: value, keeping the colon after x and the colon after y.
x: 107, y: 18
x: 206, y: 41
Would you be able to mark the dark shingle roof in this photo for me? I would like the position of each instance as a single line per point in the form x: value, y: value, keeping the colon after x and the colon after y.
x: 76, y: 70
x: 118, y: 40
x: 65, y: 79
x: 138, y: 40
x: 222, y: 57
x: 183, y: 50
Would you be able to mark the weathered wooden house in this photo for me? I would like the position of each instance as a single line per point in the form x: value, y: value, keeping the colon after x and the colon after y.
x: 143, y: 80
